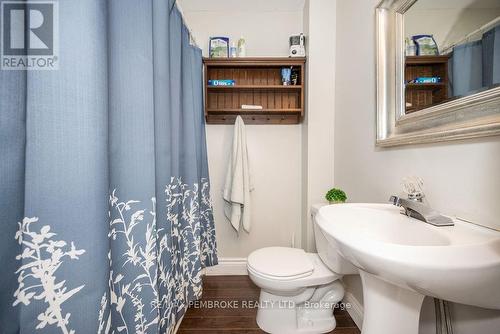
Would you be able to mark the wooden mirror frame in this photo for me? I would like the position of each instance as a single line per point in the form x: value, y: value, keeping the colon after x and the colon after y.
x: 472, y: 116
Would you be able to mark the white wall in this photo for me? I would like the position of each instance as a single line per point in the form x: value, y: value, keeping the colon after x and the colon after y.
x: 461, y: 178
x: 274, y: 150
x: 318, y: 127
x: 292, y: 164
x: 265, y: 25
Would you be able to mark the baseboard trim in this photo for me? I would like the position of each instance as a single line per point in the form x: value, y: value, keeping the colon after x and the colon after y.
x: 178, y: 325
x: 356, y: 309
x: 228, y: 266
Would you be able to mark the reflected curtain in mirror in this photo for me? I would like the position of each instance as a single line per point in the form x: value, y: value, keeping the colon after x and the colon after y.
x: 491, y: 57
x: 467, y: 68
x: 476, y: 65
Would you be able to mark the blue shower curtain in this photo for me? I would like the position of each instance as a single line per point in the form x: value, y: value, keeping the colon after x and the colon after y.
x: 475, y: 65
x: 106, y: 221
x: 491, y: 57
x: 467, y: 68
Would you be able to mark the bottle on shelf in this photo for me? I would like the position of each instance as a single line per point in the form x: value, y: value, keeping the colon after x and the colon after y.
x: 242, y: 50
x: 233, y: 50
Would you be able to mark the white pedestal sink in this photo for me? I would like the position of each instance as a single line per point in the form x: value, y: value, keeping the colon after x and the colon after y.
x: 401, y: 260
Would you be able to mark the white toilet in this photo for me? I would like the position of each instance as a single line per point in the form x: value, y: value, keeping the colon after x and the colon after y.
x: 298, y: 291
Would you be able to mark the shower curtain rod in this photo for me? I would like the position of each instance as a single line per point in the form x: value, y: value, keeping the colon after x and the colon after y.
x: 480, y: 30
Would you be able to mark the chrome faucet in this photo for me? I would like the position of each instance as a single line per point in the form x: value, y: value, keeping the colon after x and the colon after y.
x: 413, y: 207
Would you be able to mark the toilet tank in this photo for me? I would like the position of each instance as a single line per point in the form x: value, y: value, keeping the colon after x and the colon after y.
x: 327, y: 251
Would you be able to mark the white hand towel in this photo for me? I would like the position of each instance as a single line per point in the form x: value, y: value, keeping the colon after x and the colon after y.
x: 237, y: 187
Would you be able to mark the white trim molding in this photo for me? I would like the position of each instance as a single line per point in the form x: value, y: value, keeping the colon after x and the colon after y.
x: 228, y: 266
x: 476, y: 115
x: 356, y: 309
x: 178, y: 325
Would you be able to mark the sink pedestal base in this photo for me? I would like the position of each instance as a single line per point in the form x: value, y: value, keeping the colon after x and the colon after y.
x: 388, y: 308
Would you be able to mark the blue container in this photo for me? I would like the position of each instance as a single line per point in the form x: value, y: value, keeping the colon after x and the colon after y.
x: 221, y: 82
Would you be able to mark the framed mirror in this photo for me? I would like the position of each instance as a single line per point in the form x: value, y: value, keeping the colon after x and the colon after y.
x: 438, y: 70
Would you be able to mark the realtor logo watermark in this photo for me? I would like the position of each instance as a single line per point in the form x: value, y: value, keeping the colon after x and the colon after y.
x: 29, y: 35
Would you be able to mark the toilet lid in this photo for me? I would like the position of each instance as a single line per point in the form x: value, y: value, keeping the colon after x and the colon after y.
x: 280, y: 262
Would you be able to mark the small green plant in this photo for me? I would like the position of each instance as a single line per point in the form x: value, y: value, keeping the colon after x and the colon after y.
x: 335, y: 195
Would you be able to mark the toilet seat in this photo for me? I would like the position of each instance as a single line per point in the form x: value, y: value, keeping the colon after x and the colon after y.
x: 280, y: 263
x: 287, y: 269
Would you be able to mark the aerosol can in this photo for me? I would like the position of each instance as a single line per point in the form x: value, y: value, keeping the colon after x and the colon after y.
x: 297, y: 45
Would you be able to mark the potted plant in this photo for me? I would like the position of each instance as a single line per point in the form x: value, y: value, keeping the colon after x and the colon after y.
x: 335, y: 196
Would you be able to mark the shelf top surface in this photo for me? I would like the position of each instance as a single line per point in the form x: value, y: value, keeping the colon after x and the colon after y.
x: 415, y: 84
x: 255, y: 87
x: 427, y: 59
x: 237, y: 60
x: 223, y: 110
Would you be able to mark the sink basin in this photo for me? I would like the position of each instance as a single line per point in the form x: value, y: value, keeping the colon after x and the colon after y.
x: 401, y: 260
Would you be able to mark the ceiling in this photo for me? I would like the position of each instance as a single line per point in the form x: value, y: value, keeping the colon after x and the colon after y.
x: 456, y: 4
x: 242, y: 5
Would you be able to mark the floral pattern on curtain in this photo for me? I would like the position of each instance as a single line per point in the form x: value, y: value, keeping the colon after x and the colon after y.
x: 169, y: 257
x: 41, y: 257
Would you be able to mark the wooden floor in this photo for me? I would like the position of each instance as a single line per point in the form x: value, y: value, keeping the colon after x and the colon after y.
x: 241, y: 320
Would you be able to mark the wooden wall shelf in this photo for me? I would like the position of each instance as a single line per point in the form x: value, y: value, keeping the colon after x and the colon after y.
x: 425, y: 95
x: 257, y: 82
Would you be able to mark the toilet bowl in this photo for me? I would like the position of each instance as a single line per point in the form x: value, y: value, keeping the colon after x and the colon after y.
x: 298, y: 292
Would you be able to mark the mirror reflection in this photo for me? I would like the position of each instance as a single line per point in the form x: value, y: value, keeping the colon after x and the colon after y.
x: 452, y: 50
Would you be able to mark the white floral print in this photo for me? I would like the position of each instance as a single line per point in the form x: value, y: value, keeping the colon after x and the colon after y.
x: 158, y: 271
x: 41, y: 257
